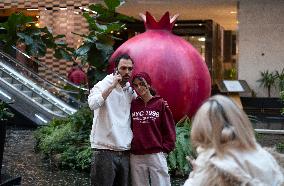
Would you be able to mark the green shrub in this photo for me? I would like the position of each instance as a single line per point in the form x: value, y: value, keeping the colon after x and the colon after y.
x: 5, y: 113
x: 280, y: 79
x: 67, y: 140
x: 178, y: 165
x: 267, y: 80
x: 282, y: 98
x: 280, y: 147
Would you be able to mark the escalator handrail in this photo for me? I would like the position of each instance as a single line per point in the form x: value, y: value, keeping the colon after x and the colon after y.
x: 50, y: 70
x: 35, y: 74
x: 48, y: 94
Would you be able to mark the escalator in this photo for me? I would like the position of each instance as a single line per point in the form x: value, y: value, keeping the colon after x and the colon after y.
x: 31, y: 94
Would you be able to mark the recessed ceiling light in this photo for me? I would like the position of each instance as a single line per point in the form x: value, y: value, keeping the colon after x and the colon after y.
x: 32, y: 9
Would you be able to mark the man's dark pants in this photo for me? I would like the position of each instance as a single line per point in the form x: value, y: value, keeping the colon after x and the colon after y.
x: 110, y: 168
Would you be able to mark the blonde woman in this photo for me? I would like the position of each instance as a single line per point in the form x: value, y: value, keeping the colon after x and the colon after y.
x: 228, y: 153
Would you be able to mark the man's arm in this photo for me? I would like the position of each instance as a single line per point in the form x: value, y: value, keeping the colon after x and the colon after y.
x: 107, y: 92
x: 99, y: 93
x: 116, y: 79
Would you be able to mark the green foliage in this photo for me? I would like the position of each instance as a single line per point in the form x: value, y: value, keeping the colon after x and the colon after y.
x: 282, y: 98
x: 97, y: 46
x: 21, y: 29
x: 280, y: 79
x: 177, y: 162
x: 67, y: 140
x: 15, y: 24
x: 267, y: 80
x: 77, y: 93
x: 230, y: 73
x: 280, y: 147
x: 5, y: 113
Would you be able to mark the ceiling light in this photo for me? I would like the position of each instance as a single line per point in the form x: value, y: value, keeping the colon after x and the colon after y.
x: 32, y: 9
x: 201, y: 39
x: 233, y: 12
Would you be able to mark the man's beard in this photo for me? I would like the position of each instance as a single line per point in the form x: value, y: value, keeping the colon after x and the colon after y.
x: 125, y: 79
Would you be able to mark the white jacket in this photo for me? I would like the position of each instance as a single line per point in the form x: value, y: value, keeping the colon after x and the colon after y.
x: 111, y: 123
x: 253, y: 168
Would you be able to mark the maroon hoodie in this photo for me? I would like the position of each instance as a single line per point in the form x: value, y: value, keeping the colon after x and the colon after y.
x: 153, y: 126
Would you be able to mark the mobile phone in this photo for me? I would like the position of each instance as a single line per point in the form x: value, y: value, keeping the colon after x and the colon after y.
x: 115, y: 71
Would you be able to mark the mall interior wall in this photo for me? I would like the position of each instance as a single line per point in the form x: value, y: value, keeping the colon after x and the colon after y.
x: 260, y: 41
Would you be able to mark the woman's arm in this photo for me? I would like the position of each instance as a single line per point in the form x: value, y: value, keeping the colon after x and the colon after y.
x: 168, y: 128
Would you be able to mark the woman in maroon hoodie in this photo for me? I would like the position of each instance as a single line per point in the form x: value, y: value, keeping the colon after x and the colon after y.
x: 153, y: 135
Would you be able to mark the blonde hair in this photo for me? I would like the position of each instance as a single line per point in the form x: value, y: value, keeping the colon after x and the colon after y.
x: 220, y: 124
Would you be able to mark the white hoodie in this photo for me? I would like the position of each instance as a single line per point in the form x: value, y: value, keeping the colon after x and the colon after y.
x: 111, y: 123
x: 253, y: 168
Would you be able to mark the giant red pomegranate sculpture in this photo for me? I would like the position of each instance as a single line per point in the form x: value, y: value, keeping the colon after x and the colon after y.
x: 177, y: 70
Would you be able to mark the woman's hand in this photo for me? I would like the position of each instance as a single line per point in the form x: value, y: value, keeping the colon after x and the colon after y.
x: 191, y: 161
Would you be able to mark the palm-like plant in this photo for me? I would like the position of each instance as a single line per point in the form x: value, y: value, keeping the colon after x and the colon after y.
x: 282, y: 98
x: 280, y: 79
x: 267, y: 80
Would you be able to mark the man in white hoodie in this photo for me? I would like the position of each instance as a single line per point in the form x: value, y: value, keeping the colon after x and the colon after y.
x: 111, y: 133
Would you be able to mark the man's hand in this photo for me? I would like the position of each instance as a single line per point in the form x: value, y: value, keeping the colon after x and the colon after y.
x: 116, y: 79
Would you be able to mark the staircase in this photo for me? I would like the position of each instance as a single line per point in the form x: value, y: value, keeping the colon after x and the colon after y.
x: 38, y: 99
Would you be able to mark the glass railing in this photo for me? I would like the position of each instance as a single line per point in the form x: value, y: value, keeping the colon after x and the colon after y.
x: 60, y: 87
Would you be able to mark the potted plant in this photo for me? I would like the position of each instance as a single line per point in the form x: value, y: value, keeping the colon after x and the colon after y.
x: 280, y: 79
x: 267, y: 80
x: 265, y: 106
x: 5, y: 114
